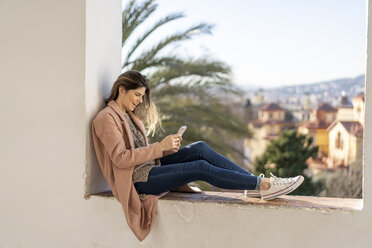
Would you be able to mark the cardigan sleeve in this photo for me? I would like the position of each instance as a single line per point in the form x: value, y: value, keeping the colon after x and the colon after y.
x: 110, y: 136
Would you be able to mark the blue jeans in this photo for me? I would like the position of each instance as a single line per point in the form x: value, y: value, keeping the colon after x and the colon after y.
x: 197, y: 161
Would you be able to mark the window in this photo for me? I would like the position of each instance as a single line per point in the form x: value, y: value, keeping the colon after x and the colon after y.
x: 337, y: 145
x: 339, y: 142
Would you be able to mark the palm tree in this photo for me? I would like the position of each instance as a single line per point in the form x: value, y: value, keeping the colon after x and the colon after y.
x: 187, y: 90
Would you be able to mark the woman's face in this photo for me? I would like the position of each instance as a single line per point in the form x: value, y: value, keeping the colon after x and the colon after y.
x: 128, y: 100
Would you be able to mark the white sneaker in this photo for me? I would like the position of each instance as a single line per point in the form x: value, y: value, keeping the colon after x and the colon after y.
x: 281, y: 186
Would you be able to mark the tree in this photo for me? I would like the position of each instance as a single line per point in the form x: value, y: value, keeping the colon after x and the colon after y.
x: 286, y: 157
x: 187, y: 90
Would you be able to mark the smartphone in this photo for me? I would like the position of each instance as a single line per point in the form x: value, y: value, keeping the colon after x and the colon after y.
x: 181, y: 130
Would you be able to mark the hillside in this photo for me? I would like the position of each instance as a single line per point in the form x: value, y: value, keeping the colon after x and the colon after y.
x: 327, y: 91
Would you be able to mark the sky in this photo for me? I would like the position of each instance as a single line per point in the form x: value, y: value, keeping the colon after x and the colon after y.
x: 272, y: 43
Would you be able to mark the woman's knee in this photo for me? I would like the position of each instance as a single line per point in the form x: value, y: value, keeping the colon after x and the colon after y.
x: 199, y: 145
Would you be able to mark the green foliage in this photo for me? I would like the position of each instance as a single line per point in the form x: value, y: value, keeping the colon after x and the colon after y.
x: 186, y: 90
x: 286, y: 157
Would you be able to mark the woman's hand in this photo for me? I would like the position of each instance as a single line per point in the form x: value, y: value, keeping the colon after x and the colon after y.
x: 171, y: 143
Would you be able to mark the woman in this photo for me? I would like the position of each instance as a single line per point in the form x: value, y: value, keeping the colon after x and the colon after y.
x: 139, y: 173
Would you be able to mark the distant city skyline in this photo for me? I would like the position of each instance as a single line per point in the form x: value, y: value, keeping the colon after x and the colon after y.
x: 274, y: 43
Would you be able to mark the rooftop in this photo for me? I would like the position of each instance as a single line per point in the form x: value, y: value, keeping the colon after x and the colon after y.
x: 271, y: 107
x: 361, y: 96
x: 326, y: 107
x: 316, y: 125
x: 353, y: 127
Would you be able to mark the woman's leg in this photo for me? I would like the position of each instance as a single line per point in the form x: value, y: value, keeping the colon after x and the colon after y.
x: 201, y: 151
x: 169, y: 177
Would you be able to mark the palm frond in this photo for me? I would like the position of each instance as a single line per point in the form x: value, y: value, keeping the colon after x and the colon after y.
x: 158, y: 24
x: 145, y: 59
x: 202, y: 70
x: 134, y: 15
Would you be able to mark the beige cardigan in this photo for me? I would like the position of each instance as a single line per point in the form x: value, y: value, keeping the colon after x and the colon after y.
x: 117, y: 157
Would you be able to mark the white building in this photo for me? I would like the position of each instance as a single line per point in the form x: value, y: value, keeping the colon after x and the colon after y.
x: 346, y: 134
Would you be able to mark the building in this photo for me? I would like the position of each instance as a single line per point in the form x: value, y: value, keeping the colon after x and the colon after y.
x: 302, y: 112
x: 270, y: 123
x: 320, y: 119
x: 359, y: 107
x: 346, y: 135
x: 345, y: 143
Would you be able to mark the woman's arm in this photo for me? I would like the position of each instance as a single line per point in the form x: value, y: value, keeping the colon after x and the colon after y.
x: 108, y: 133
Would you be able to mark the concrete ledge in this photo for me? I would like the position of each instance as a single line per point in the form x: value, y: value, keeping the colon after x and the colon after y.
x: 286, y: 201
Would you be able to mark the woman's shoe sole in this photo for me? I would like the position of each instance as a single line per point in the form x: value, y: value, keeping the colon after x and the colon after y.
x: 285, y: 191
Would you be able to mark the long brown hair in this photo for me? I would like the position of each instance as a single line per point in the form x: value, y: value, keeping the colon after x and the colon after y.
x: 147, y: 110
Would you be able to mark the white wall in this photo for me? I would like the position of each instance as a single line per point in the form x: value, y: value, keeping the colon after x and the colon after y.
x: 49, y: 71
x: 102, y: 67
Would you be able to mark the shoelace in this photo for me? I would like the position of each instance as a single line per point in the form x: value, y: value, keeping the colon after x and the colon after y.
x: 279, y: 180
